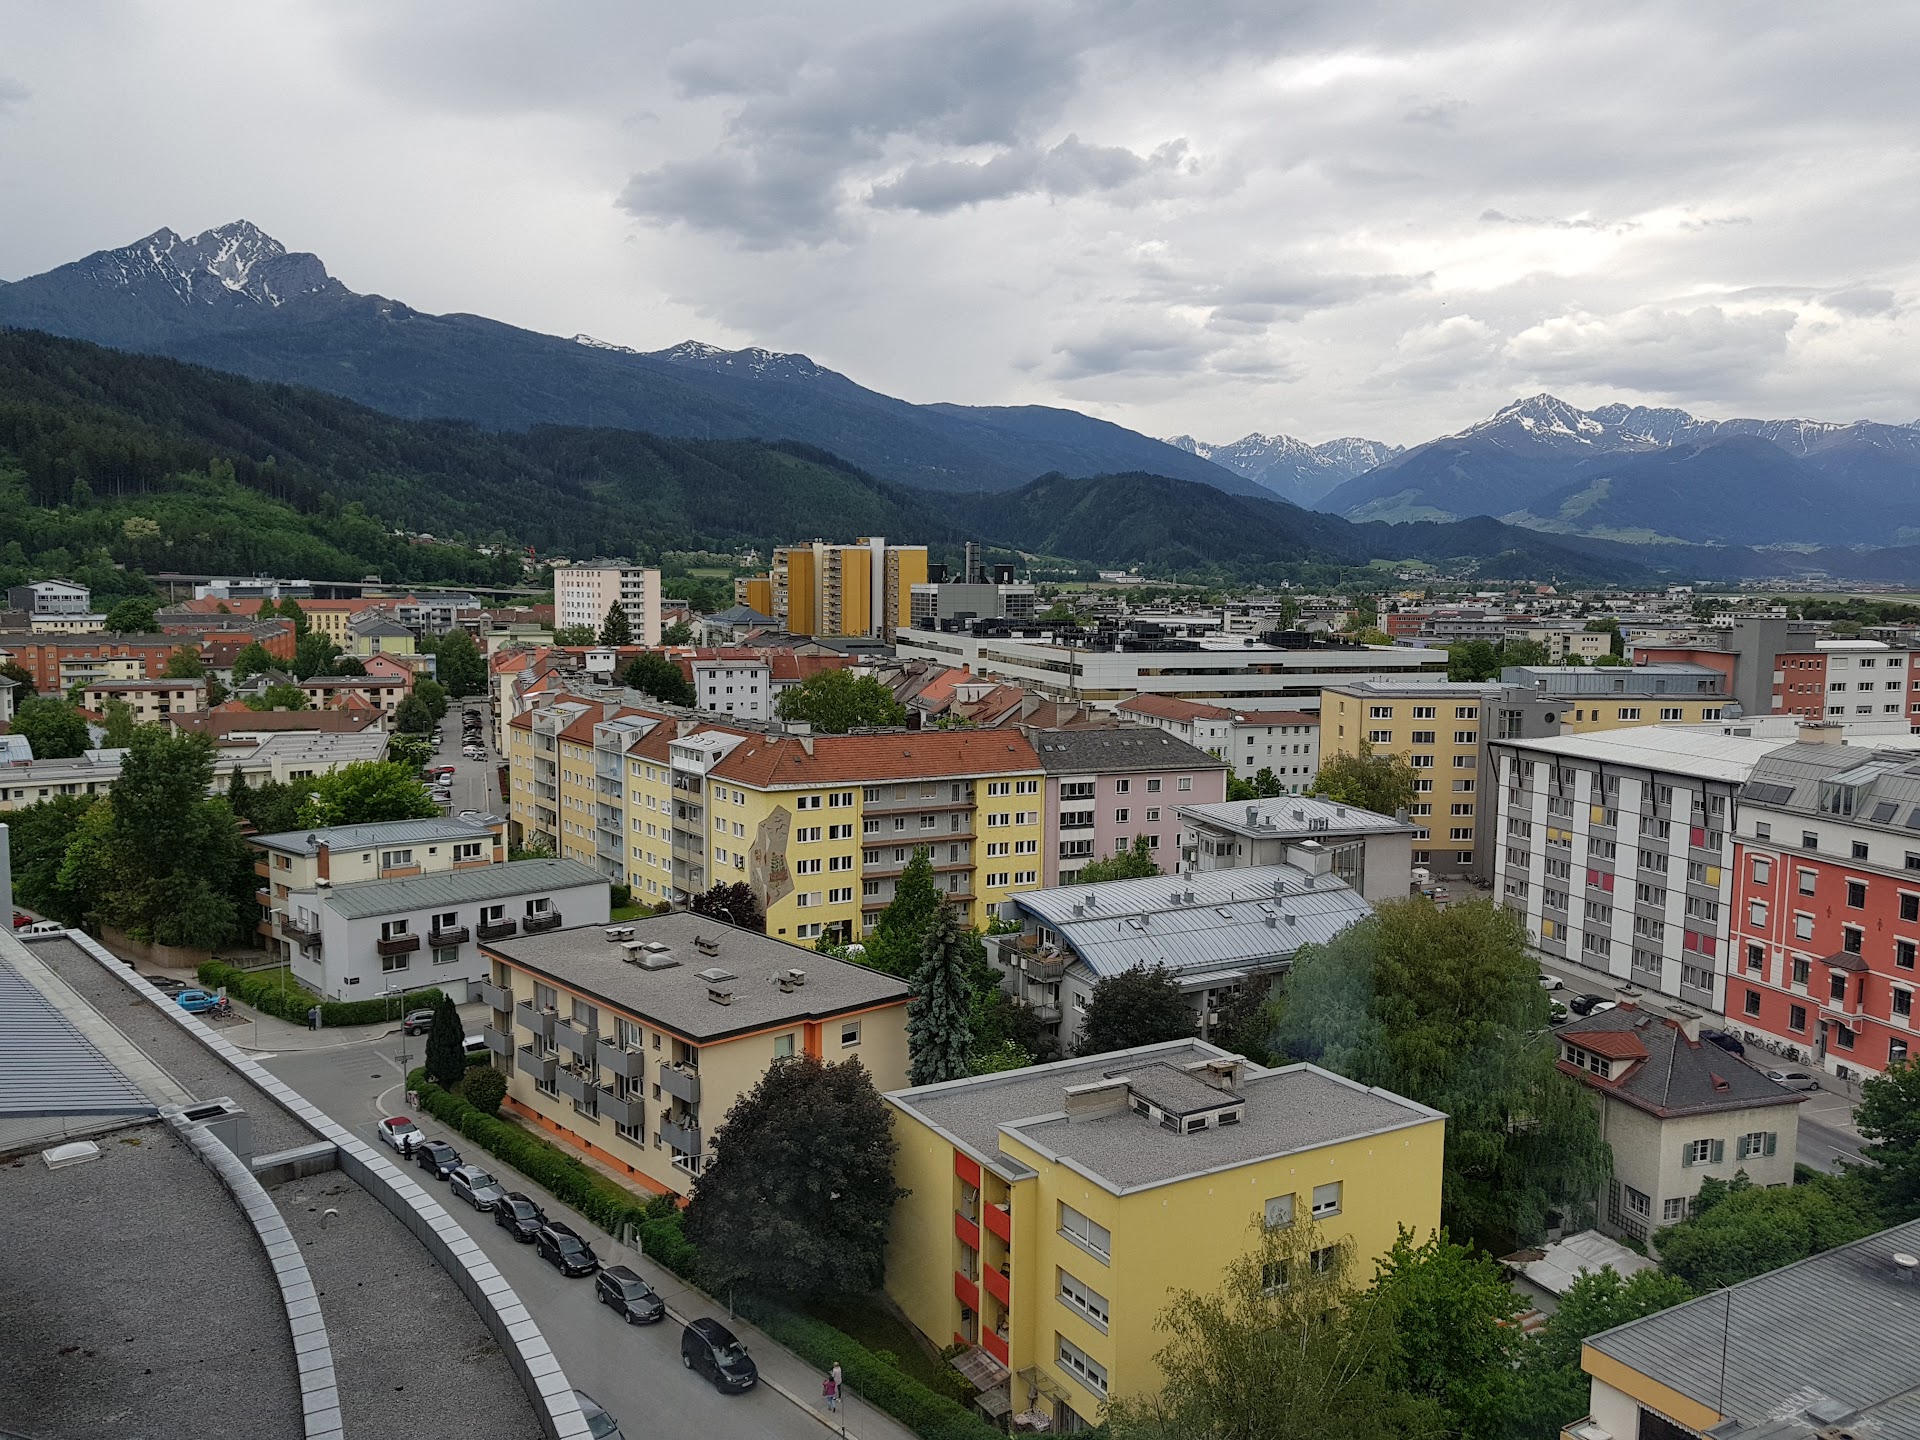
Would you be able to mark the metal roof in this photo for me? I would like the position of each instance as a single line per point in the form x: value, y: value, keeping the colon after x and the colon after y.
x: 1669, y: 750
x: 364, y: 899
x: 379, y: 832
x: 1885, y: 784
x: 47, y: 1067
x: 1286, y: 817
x: 1828, y: 1339
x: 1235, y: 918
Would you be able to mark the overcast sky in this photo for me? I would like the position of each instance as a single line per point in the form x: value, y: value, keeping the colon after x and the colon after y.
x: 1322, y: 219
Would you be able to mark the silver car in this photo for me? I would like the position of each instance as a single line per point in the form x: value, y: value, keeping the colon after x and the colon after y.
x: 475, y: 1186
x: 1793, y: 1079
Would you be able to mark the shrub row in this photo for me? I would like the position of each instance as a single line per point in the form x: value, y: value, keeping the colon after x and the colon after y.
x: 656, y: 1224
x: 289, y: 1000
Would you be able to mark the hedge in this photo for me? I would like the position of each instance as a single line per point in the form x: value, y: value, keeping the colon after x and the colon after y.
x: 656, y: 1224
x: 290, y: 1000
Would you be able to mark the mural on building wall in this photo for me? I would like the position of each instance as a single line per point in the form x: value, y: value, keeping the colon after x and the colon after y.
x: 767, y: 869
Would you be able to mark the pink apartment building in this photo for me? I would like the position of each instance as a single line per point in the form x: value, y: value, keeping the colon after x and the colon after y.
x: 1104, y: 787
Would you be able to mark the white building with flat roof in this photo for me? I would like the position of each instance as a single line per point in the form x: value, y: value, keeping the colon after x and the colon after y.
x: 582, y: 595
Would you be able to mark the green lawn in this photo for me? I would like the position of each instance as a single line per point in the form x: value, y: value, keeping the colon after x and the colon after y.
x: 867, y: 1319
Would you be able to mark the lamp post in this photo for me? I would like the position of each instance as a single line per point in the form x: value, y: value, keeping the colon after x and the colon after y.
x: 402, y: 991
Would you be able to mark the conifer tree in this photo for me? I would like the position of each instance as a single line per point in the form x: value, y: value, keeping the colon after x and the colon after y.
x: 939, y: 1035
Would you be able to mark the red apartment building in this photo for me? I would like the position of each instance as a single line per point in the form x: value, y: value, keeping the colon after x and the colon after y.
x: 1826, y: 903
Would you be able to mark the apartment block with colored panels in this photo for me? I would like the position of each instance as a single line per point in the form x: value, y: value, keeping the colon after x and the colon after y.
x: 865, y: 588
x: 1052, y: 1212
x: 1826, y: 910
x: 1107, y: 788
x: 632, y: 1042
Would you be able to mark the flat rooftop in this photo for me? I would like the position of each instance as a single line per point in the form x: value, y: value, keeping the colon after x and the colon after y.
x: 677, y: 997
x: 1677, y: 750
x: 1286, y: 1110
x: 1294, y: 817
x: 382, y: 832
x: 365, y: 899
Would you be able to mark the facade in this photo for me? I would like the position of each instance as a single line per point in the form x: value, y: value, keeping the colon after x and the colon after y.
x: 1052, y: 1212
x: 1106, y: 670
x: 1612, y: 697
x: 375, y: 692
x: 1287, y: 742
x: 736, y: 685
x: 1675, y: 1110
x: 582, y: 595
x: 59, y: 662
x: 865, y: 588
x: 1617, y: 849
x: 1104, y: 788
x: 937, y: 602
x: 1826, y: 908
x: 150, y: 700
x: 1372, y: 853
x: 357, y: 941
x: 1213, y: 933
x: 279, y: 757
x: 632, y: 1042
x: 50, y: 597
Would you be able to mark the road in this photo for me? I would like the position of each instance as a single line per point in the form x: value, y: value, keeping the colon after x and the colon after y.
x: 476, y: 783
x: 635, y: 1371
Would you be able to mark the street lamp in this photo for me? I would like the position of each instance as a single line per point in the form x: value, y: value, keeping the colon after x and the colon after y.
x: 403, y: 991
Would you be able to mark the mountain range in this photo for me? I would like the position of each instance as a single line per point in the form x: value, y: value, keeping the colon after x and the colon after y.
x: 1290, y: 468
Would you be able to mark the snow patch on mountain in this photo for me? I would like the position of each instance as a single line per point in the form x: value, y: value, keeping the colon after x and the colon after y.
x: 754, y: 362
x: 1289, y: 467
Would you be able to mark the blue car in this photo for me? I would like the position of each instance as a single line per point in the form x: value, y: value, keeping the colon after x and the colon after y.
x: 194, y: 1002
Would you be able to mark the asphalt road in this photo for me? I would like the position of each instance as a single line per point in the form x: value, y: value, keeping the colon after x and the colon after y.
x: 633, y: 1370
x: 475, y: 782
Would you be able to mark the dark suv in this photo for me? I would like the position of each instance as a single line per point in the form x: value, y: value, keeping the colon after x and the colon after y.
x: 519, y: 1215
x: 631, y: 1297
x: 710, y: 1348
x: 561, y: 1246
x: 438, y: 1157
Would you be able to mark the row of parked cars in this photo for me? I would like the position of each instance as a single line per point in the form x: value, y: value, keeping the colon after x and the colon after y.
x: 1584, y: 1005
x: 706, y: 1346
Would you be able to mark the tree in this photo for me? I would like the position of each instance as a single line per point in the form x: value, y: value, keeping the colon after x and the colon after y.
x: 1608, y: 625
x: 616, y: 629
x: 132, y: 616
x: 1445, y: 1007
x: 1280, y: 1348
x: 1134, y: 863
x: 735, y: 903
x: 654, y: 674
x: 459, y: 665
x: 348, y: 665
x: 185, y: 664
x: 678, y: 633
x: 483, y: 1087
x: 446, y: 1045
x: 900, y: 934
x: 1473, y: 660
x: 269, y: 610
x: 1136, y: 1007
x: 1453, y: 1310
x: 433, y: 695
x: 313, y: 654
x: 55, y: 729
x: 1889, y: 1117
x: 836, y: 701
x: 290, y: 610
x: 1380, y: 783
x: 412, y: 717
x: 40, y: 835
x: 799, y: 1192
x: 119, y: 725
x: 177, y: 858
x: 363, y: 792
x: 279, y: 697
x: 1368, y: 635
x: 1265, y: 785
x: 939, y: 1038
x: 575, y: 635
x: 1552, y: 1384
x: 252, y: 660
x: 1739, y: 1230
x: 22, y: 679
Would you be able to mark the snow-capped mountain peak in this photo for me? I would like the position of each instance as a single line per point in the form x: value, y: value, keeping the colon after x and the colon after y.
x: 593, y: 343
x: 752, y: 362
x: 1289, y: 467
x: 233, y: 265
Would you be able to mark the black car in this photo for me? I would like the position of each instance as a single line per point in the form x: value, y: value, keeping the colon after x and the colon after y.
x: 417, y: 1022
x: 1726, y: 1042
x: 561, y: 1246
x: 439, y: 1157
x: 520, y: 1215
x: 1589, y: 1004
x: 709, y: 1347
x: 629, y: 1295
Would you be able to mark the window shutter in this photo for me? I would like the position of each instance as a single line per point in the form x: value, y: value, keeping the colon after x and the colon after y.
x: 1773, y: 1140
x: 1686, y: 1154
x: 1719, y: 1151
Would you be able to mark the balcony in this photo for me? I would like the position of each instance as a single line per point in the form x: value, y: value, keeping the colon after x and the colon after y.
x: 540, y: 1022
x: 540, y: 1067
x: 571, y: 1037
x: 495, y: 997
x: 498, y: 1041
x: 546, y: 920
x: 998, y: 1285
x: 967, y: 1290
x: 627, y: 1064
x: 999, y: 1222
x: 263, y: 897
x: 684, y: 1138
x: 996, y: 1346
x: 397, y: 945
x: 495, y: 929
x: 262, y: 869
x: 1047, y: 1014
x: 966, y: 1230
x: 576, y: 1083
x: 1044, y: 970
x: 629, y: 1110
x: 293, y: 930
x: 682, y: 1082
x: 458, y: 935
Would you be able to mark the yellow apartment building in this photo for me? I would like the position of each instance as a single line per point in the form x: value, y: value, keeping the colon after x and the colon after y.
x: 631, y: 1043
x: 1053, y: 1211
x: 865, y: 588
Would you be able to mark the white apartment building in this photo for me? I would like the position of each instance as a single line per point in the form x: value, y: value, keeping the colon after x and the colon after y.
x: 1284, y: 741
x: 150, y: 700
x: 582, y: 595
x: 736, y: 686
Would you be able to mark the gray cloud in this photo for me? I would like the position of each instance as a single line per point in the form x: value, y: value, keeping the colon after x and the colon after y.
x: 1069, y: 169
x: 12, y: 93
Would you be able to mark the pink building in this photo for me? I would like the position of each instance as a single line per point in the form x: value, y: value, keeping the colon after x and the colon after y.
x: 1104, y: 787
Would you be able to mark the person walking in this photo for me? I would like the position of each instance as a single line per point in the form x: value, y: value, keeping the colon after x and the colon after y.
x: 831, y: 1387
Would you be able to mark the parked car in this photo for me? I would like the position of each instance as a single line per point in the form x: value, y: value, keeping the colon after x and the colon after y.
x: 475, y: 1186
x: 1729, y: 1043
x: 631, y: 1297
x: 195, y: 1002
x: 709, y: 1348
x: 417, y: 1022
x: 1793, y: 1079
x: 21, y: 919
x: 519, y: 1216
x: 1589, y: 1004
x: 600, y: 1424
x: 562, y: 1247
x: 397, y: 1130
x: 1549, y: 982
x: 471, y: 815
x: 44, y: 927
x: 437, y: 1158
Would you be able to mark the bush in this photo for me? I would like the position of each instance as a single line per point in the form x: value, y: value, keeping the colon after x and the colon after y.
x: 484, y: 1088
x: 619, y: 896
x: 290, y: 1000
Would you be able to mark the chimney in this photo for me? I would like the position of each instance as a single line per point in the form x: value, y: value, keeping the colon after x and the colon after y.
x: 1253, y: 814
x: 1822, y: 732
x: 323, y: 862
x: 1688, y: 1021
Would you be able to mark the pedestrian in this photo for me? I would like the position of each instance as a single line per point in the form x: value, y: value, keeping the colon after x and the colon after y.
x: 834, y: 1379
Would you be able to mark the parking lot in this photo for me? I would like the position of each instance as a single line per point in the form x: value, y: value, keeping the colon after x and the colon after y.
x: 476, y: 783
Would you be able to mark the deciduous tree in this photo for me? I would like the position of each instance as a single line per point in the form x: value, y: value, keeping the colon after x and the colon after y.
x: 1552, y: 1385
x: 654, y: 674
x: 313, y: 654
x: 39, y: 836
x: 836, y: 701
x: 575, y: 635
x: 132, y: 616
x: 1380, y: 783
x: 1136, y: 1007
x: 363, y: 792
x: 939, y: 1038
x: 176, y: 854
x: 1740, y: 1230
x: 252, y: 659
x: 117, y: 725
x: 412, y: 717
x: 279, y: 697
x: 735, y: 903
x: 1889, y: 1117
x: 459, y: 665
x: 1134, y: 863
x: 185, y: 664
x: 1453, y: 1311
x: 55, y: 729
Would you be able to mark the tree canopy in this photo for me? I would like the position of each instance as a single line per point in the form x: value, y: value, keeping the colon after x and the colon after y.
x: 55, y: 729
x: 735, y: 903
x: 185, y: 664
x: 132, y: 616
x: 1739, y: 1230
x: 654, y: 674
x: 939, y: 1037
x: 1264, y: 785
x: 1136, y: 862
x: 459, y: 665
x: 1380, y: 783
x: 313, y: 654
x: 171, y: 860
x: 252, y: 659
x: 279, y: 697
x: 899, y: 936
x: 1136, y: 1007
x: 362, y: 792
x: 836, y: 701
x: 616, y: 629
x: 1889, y: 1118
x: 446, y: 1060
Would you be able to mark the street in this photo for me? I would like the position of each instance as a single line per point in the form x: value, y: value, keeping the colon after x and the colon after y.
x: 475, y: 784
x: 635, y: 1371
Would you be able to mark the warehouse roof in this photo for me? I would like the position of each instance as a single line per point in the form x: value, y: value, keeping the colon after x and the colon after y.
x: 365, y: 899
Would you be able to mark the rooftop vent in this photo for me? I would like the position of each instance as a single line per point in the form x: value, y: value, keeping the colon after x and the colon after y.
x: 619, y: 932
x: 658, y: 947
x: 797, y: 976
x: 707, y: 944
x: 719, y: 996
x: 1906, y: 1267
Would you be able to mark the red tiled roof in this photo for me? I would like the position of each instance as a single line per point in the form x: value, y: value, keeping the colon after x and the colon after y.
x: 764, y: 760
x: 1614, y: 1044
x: 1168, y: 707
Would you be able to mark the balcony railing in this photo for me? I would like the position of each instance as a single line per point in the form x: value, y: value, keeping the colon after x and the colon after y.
x: 293, y: 930
x: 540, y: 1022
x: 628, y: 1064
x: 540, y: 1067
x: 456, y: 936
x: 681, y: 1082
x: 575, y: 1084
x: 495, y: 929
x: 627, y: 1110
x: 572, y: 1037
x: 495, y: 997
x: 684, y: 1138
x: 397, y: 945
x: 498, y: 1041
x: 546, y: 920
x: 1043, y: 969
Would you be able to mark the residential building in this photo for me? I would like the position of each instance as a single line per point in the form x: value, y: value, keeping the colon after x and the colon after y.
x: 1826, y: 903
x: 278, y: 757
x: 978, y: 591
x: 582, y: 595
x: 1107, y: 787
x: 8, y: 687
x: 755, y: 593
x: 150, y: 700
x: 1674, y: 1110
x: 736, y: 622
x: 737, y: 684
x: 1609, y: 697
x: 91, y: 624
x: 1106, y: 667
x: 1372, y: 853
x: 1213, y: 932
x: 1052, y: 1213
x: 229, y: 728
x: 373, y: 692
x: 50, y: 597
x: 864, y: 588
x: 1740, y: 1361
x: 356, y: 941
x: 631, y: 1043
x: 375, y: 633
x: 1617, y: 850
x: 1287, y: 742
x: 305, y: 861
x: 59, y: 662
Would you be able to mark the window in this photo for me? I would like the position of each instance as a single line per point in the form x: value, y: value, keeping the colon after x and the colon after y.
x: 1279, y: 1212
x: 1026, y: 787
x: 1380, y: 712
x: 1082, y: 1366
x: 394, y: 929
x: 389, y: 859
x: 1273, y: 1277
x: 1903, y: 954
x: 446, y: 955
x: 1796, y: 1017
x: 1809, y: 840
x: 1630, y: 712
x: 1005, y: 787
x: 1762, y: 871
x: 390, y: 963
x: 1153, y: 786
x: 1095, y: 1239
x: 1121, y: 816
x: 1857, y: 897
x: 1809, y: 879
x: 1326, y: 1200
x: 783, y: 1046
x: 849, y: 1034
x: 1753, y: 1002
x: 1121, y: 787
x: 1674, y: 1210
x: 1859, y: 849
x: 465, y: 851
x: 1802, y: 969
x: 1421, y: 737
x: 1909, y: 906
x: 1326, y: 1260
x: 1760, y: 1142
x: 1903, y: 1003
x: 1079, y: 1296
x: 1186, y: 782
x: 1703, y: 1152
x: 1466, y: 737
